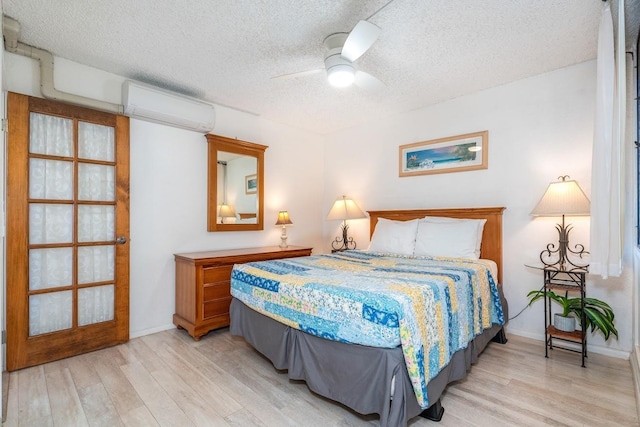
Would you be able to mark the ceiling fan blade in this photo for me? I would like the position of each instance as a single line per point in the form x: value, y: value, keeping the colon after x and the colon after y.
x: 298, y: 74
x: 368, y: 82
x: 360, y: 39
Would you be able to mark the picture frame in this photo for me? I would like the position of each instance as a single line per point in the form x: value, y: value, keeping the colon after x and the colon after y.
x: 458, y: 153
x: 251, y: 184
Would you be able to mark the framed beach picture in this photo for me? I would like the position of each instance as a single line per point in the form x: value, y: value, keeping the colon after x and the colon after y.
x: 251, y: 184
x: 453, y: 154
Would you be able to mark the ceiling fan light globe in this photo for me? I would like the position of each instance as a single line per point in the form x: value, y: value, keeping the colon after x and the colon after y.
x: 341, y: 75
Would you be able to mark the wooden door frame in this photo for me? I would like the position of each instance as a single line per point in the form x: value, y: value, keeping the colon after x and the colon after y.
x: 22, y: 350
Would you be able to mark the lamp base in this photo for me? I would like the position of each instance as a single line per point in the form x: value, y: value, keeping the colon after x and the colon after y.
x: 344, y: 243
x: 283, y: 238
x: 563, y: 262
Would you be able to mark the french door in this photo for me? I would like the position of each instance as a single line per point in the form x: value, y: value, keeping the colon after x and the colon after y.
x: 67, y: 247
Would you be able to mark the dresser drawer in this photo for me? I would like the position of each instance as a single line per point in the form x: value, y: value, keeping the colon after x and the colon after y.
x: 216, y: 274
x: 216, y: 308
x: 203, y: 284
x: 216, y: 291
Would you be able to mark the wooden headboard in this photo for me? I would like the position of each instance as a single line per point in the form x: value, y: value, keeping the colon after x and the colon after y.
x: 491, y: 236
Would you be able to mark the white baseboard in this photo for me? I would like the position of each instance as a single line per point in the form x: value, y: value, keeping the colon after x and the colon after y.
x: 618, y: 354
x: 136, y: 334
x: 635, y: 368
x: 525, y: 334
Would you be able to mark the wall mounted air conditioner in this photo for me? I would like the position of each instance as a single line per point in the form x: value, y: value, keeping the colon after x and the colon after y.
x: 160, y: 106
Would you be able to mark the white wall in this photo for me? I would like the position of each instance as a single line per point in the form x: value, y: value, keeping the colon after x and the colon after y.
x: 539, y: 128
x: 237, y: 171
x: 168, y: 186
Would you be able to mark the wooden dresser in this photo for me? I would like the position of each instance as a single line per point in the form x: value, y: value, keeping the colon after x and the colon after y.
x: 203, y: 281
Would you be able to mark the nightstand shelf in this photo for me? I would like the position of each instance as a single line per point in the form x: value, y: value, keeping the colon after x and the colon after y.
x: 563, y: 287
x: 575, y: 336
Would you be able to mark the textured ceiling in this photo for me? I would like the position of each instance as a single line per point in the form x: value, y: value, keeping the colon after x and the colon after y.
x: 227, y: 52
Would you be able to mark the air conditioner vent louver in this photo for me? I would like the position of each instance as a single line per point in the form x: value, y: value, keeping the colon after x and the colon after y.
x: 167, y: 108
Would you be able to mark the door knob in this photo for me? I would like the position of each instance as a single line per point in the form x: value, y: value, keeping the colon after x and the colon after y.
x: 121, y: 240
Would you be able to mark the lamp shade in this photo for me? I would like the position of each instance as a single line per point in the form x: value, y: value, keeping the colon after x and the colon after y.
x: 345, y: 208
x: 564, y: 197
x: 227, y: 211
x: 283, y: 218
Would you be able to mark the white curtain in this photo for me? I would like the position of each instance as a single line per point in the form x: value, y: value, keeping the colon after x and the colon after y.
x: 606, y: 172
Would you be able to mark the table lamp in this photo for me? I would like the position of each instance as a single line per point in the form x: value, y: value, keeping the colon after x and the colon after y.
x: 564, y: 197
x: 226, y: 211
x: 344, y: 208
x: 283, y: 220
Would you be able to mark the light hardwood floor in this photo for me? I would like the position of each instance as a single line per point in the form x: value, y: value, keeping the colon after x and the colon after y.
x: 168, y: 379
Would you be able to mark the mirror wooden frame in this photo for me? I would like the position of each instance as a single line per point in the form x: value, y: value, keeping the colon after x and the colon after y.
x: 220, y: 143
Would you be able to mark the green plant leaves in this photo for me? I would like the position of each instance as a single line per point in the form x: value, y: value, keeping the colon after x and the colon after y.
x: 598, y: 314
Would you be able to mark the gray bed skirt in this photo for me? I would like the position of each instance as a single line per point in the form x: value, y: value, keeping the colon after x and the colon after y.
x: 357, y: 376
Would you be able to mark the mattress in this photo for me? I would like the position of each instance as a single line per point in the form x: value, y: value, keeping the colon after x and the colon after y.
x: 428, y: 307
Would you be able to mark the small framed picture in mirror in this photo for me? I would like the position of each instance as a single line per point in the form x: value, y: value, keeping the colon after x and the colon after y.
x: 251, y: 184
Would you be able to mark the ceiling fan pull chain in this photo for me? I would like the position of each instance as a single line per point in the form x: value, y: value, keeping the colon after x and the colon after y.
x: 385, y: 5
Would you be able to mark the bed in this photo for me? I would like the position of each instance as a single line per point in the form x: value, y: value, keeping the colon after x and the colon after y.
x: 378, y: 379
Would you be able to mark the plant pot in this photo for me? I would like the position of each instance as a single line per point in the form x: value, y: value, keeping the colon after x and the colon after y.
x: 566, y: 324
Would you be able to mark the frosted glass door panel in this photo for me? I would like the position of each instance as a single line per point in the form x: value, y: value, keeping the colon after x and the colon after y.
x: 96, y: 182
x: 50, y: 135
x: 96, y: 142
x: 50, y: 179
x: 50, y: 223
x: 96, y: 223
x: 95, y: 305
x: 49, y: 312
x: 50, y: 268
x: 96, y: 264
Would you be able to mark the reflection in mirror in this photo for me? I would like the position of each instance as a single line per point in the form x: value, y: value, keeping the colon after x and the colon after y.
x: 237, y: 189
x: 236, y: 173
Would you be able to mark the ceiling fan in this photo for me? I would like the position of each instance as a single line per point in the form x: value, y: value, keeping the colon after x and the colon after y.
x: 342, y: 50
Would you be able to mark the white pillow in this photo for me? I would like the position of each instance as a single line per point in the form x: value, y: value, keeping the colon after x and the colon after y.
x: 398, y: 237
x: 447, y: 239
x: 479, y: 224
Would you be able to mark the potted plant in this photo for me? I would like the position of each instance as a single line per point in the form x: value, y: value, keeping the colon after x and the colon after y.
x: 598, y: 314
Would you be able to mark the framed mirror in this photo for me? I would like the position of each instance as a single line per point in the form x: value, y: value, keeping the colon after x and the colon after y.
x: 235, y: 184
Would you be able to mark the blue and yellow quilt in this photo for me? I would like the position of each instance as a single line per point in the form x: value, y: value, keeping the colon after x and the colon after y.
x: 431, y: 307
